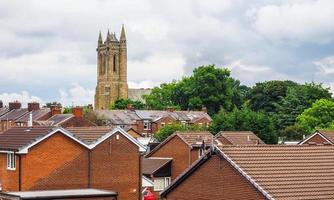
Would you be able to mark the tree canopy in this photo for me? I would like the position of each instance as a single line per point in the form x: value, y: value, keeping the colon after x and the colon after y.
x: 124, y: 103
x: 169, y: 129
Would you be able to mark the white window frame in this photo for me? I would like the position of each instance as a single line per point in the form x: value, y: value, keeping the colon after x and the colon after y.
x: 147, y: 124
x: 11, y: 161
x: 166, y: 182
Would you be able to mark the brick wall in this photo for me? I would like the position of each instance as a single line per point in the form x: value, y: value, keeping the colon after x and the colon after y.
x: 317, y: 139
x: 8, y: 178
x: 50, y: 164
x: 215, y: 179
x: 179, y: 151
x: 156, y: 126
x: 116, y: 166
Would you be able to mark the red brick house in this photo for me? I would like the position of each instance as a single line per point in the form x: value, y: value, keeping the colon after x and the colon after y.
x: 321, y: 137
x: 7, y: 120
x: 159, y: 171
x: 184, y: 148
x: 258, y: 172
x: 48, y: 158
x: 238, y: 138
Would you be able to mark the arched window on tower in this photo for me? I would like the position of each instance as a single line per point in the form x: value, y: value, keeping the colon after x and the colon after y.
x: 114, y: 62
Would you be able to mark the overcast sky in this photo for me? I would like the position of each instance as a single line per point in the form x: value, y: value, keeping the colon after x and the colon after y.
x: 48, y: 47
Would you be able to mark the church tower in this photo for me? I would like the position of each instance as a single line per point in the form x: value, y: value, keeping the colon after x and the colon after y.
x: 111, y: 70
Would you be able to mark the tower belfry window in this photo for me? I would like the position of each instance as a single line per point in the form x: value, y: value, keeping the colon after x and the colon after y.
x: 114, y: 62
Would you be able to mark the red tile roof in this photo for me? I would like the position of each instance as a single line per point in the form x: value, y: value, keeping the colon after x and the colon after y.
x: 286, y: 172
x: 240, y: 137
x: 89, y: 134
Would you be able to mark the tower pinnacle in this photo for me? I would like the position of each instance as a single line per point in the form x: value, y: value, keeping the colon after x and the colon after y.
x: 100, y: 38
x: 108, y: 36
x: 123, y: 38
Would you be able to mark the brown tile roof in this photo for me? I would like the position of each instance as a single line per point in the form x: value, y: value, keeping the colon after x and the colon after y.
x: 14, y: 114
x: 152, y: 164
x: 36, y: 114
x: 286, y: 172
x: 59, y: 118
x: 192, y: 139
x: 3, y: 111
x: 89, y: 134
x: 328, y: 134
x: 195, y: 139
x: 16, y: 138
x: 240, y: 137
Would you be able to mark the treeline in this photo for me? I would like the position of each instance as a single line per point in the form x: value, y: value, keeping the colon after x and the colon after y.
x: 271, y: 109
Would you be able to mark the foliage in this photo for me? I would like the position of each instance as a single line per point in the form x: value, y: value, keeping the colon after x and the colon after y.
x: 49, y: 104
x: 208, y: 86
x: 123, y: 104
x: 169, y: 129
x: 67, y: 110
x: 319, y: 116
x: 292, y: 133
x: 245, y: 119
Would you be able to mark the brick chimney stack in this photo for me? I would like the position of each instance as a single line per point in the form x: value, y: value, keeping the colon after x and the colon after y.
x: 55, y: 110
x: 205, y: 109
x: 33, y: 106
x: 170, y: 109
x: 77, y: 111
x: 131, y: 107
x: 14, y: 105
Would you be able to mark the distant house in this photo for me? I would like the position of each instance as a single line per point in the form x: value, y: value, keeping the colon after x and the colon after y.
x: 238, y: 138
x: 49, y: 158
x: 257, y: 172
x: 321, y: 137
x: 184, y: 148
x: 158, y: 170
x: 74, y: 119
x: 14, y: 112
x: 148, y: 122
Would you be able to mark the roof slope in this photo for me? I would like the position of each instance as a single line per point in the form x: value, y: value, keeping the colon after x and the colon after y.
x: 36, y: 115
x: 14, y: 114
x: 89, y: 134
x: 286, y: 172
x: 240, y: 137
x: 59, y: 118
x: 152, y: 164
x: 328, y: 134
x: 16, y: 138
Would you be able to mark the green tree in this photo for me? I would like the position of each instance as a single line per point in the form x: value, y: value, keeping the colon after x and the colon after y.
x: 169, y: 129
x: 265, y: 96
x: 49, y: 104
x: 208, y: 86
x: 123, y: 104
x: 245, y: 119
x: 319, y: 116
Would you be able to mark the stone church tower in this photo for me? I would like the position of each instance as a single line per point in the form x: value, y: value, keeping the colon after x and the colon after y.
x: 111, y: 70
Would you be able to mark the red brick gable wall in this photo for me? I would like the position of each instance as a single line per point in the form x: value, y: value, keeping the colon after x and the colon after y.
x: 8, y: 178
x: 43, y: 160
x: 156, y: 126
x: 316, y: 139
x: 179, y: 151
x: 116, y: 166
x: 215, y: 179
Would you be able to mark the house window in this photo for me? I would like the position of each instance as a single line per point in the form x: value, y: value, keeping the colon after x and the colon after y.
x: 163, y: 124
x: 11, y: 162
x: 183, y: 123
x: 161, y: 183
x: 147, y: 125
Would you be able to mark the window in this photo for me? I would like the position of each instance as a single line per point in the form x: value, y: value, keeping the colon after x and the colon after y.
x: 11, y: 162
x: 162, y: 124
x: 147, y: 125
x: 183, y: 123
x: 114, y: 62
x: 161, y: 183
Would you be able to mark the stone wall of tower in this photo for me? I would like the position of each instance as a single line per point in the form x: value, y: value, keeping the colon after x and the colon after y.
x: 111, y: 71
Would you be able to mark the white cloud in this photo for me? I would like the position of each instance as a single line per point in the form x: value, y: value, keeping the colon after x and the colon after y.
x: 306, y: 21
x: 24, y: 97
x: 157, y: 68
x: 326, y: 65
x: 76, y: 96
